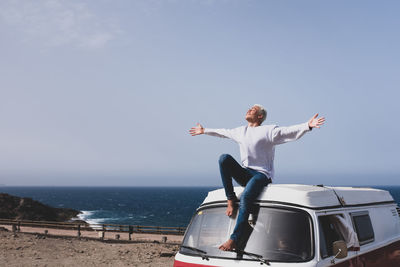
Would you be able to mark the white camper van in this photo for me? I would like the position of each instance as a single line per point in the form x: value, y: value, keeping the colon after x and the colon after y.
x: 298, y: 225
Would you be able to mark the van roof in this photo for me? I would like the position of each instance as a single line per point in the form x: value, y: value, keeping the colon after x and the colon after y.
x: 310, y: 196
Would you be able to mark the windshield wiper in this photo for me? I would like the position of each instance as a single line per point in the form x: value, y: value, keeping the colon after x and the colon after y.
x: 202, y: 253
x: 254, y: 256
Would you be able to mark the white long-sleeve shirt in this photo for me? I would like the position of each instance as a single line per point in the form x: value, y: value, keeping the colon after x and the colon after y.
x: 257, y: 144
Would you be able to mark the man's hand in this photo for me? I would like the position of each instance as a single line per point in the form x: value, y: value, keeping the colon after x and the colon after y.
x: 196, y: 130
x: 316, y: 122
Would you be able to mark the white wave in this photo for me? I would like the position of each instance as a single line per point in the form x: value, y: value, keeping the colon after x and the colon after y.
x: 96, y: 223
x: 89, y: 216
x: 84, y: 215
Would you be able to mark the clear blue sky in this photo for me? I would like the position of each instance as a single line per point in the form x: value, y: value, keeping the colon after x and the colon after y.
x: 104, y: 92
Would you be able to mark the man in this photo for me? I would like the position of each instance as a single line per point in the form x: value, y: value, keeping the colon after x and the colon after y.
x: 257, y: 149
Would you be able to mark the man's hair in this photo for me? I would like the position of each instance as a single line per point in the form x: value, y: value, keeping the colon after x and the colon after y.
x: 262, y: 111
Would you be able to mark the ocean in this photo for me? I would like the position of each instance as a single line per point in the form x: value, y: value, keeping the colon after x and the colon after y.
x: 152, y: 206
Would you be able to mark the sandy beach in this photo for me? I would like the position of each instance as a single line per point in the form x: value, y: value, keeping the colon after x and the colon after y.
x: 57, y: 249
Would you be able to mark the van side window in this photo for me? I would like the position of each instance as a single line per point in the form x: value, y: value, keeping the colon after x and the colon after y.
x: 328, y: 234
x: 363, y: 226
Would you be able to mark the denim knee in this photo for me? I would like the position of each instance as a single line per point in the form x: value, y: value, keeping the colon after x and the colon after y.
x: 247, y: 199
x: 224, y: 158
x: 254, y: 188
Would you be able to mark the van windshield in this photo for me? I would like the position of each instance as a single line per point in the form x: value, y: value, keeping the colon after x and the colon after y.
x: 276, y: 234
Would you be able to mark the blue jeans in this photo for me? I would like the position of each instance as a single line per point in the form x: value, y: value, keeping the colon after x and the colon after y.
x: 254, y: 183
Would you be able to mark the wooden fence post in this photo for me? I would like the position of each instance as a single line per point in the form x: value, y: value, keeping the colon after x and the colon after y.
x: 130, y: 232
x: 79, y: 230
x: 19, y: 226
x: 14, y: 229
x: 103, y: 233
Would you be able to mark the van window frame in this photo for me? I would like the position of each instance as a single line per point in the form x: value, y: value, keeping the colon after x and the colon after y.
x: 321, y: 233
x: 262, y: 205
x: 356, y: 227
x: 312, y: 227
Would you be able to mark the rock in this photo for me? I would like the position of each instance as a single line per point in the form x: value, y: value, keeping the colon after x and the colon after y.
x: 164, y: 254
x: 17, y: 208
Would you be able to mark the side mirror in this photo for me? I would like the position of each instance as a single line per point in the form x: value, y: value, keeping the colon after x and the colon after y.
x: 339, y: 250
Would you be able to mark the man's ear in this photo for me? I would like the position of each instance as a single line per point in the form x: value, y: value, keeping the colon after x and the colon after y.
x: 260, y: 118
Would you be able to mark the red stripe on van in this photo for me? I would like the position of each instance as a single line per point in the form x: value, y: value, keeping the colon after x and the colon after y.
x: 388, y: 256
x: 184, y: 264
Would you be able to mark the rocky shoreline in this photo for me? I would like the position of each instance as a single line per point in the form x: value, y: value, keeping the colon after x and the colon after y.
x: 18, y: 208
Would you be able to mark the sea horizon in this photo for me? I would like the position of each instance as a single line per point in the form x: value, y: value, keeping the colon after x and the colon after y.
x: 179, y: 186
x: 202, y: 180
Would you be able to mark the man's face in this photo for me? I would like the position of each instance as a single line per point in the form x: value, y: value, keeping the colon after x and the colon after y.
x: 252, y: 114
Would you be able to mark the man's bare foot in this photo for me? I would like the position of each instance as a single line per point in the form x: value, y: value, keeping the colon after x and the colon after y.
x: 228, y: 245
x: 231, y: 207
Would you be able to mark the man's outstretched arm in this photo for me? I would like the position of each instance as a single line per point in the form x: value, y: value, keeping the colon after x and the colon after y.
x: 282, y: 135
x: 223, y: 133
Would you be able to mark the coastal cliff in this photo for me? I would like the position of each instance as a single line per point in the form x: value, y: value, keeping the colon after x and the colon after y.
x: 17, y: 208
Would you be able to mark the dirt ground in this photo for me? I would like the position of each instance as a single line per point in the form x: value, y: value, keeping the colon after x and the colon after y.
x: 29, y: 249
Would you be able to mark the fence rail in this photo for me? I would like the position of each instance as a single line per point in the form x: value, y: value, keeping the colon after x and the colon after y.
x: 101, y: 228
